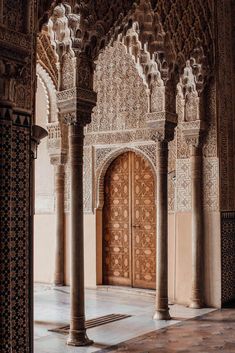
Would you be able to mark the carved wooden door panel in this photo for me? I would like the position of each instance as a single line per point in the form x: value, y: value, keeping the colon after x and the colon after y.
x: 143, y: 224
x: 117, y: 223
x: 129, y: 223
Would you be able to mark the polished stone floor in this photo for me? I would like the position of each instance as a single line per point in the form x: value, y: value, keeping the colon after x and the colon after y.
x: 204, y: 330
x: 210, y: 333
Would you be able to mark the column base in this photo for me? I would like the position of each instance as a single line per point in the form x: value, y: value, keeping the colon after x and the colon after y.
x: 78, y: 339
x: 58, y: 280
x: 59, y: 284
x: 162, y: 314
x: 196, y: 304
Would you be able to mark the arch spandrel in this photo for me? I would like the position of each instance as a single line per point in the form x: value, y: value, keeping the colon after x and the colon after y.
x: 122, y: 96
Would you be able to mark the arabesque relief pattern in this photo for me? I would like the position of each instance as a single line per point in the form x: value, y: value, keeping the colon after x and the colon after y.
x: 118, y: 105
x: 111, y: 106
x: 88, y: 186
x: 13, y: 14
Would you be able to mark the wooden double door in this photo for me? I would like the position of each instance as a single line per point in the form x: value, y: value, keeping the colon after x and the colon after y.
x: 129, y: 223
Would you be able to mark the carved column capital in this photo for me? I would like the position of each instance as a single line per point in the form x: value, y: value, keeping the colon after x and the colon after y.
x: 75, y: 105
x: 163, y: 125
x: 194, y: 132
x: 59, y: 159
x: 10, y: 72
x: 57, y: 143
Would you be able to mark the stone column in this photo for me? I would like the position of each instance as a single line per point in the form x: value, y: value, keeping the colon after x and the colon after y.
x: 193, y: 133
x: 57, y: 145
x: 197, y: 226
x: 163, y: 123
x: 77, y: 334
x: 161, y: 306
x: 60, y: 224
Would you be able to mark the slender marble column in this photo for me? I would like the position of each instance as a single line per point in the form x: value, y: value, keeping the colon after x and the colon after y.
x: 197, y: 227
x: 162, y: 310
x: 77, y: 334
x: 59, y: 211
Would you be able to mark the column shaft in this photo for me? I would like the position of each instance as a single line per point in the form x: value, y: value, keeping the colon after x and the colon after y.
x: 162, y: 310
x: 60, y: 226
x: 77, y: 336
x: 197, y: 227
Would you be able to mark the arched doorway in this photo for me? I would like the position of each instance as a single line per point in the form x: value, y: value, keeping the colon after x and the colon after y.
x: 129, y: 223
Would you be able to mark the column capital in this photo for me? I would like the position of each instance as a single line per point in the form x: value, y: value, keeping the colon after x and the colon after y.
x: 58, y: 159
x: 75, y: 105
x: 163, y: 125
x: 194, y: 132
x: 57, y: 143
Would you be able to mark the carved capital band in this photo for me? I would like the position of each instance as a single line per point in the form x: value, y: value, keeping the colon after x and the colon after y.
x: 58, y: 159
x: 154, y: 117
x: 163, y: 123
x: 194, y: 132
x: 164, y: 131
x: 76, y: 105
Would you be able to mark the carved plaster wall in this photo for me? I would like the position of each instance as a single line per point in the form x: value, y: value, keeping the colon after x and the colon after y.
x: 118, y: 123
x: 210, y: 155
x: 122, y: 97
x: 51, y: 93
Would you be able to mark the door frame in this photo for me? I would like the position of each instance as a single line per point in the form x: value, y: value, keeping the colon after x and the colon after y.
x: 99, y: 182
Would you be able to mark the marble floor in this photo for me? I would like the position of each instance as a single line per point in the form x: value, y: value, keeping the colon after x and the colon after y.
x: 210, y: 333
x: 140, y: 330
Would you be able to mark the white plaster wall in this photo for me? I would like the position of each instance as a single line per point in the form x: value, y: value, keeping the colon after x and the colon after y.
x: 44, y: 220
x: 179, y: 246
x: 44, y: 248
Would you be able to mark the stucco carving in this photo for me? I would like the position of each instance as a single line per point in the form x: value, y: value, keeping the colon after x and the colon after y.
x: 172, y: 174
x: 68, y: 67
x: 183, y: 186
x: 58, y: 30
x: 211, y: 184
x: 88, y: 180
x: 95, y: 166
x: 118, y: 109
x: 210, y: 148
x: 51, y: 93
x: 47, y: 57
x: 67, y: 188
x: 57, y: 143
x: 13, y: 14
